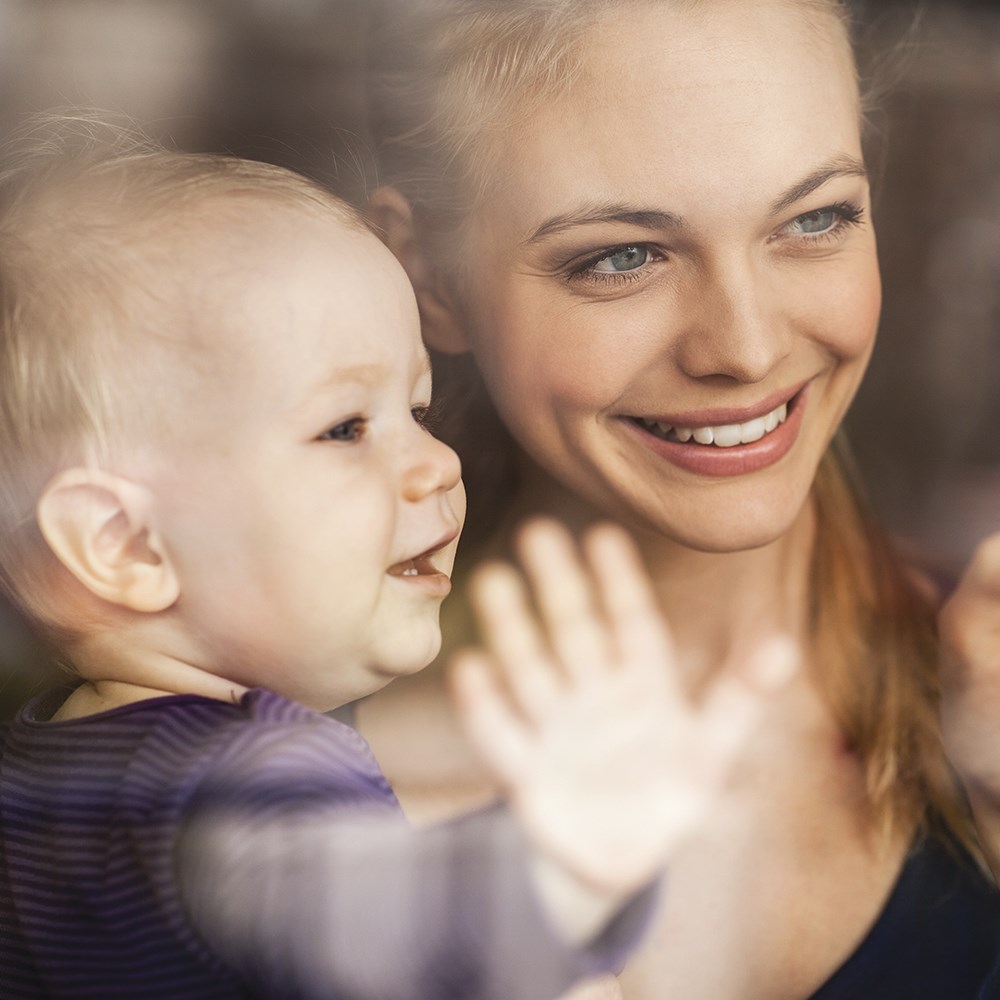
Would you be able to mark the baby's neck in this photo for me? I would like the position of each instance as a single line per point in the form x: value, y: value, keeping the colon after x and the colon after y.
x: 119, y: 668
x: 95, y: 697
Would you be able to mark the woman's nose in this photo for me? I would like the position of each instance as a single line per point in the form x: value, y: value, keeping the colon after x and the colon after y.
x: 433, y: 467
x: 736, y: 331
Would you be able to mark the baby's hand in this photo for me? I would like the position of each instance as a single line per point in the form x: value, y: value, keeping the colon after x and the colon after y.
x: 970, y: 703
x: 579, y: 711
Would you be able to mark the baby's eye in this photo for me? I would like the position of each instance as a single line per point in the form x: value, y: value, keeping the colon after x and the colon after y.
x: 623, y: 259
x: 346, y: 430
x: 426, y: 414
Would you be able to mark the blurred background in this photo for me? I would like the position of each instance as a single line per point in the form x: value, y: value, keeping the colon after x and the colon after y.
x: 282, y: 80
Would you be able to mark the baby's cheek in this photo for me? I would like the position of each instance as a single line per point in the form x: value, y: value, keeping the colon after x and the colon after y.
x: 458, y: 501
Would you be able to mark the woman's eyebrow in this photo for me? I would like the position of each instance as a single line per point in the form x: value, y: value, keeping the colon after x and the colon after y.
x: 598, y: 214
x: 839, y: 166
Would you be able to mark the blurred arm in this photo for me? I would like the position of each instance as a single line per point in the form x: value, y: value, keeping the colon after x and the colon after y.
x: 313, y: 906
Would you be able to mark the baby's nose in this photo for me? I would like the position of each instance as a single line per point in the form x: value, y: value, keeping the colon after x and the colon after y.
x: 434, y: 468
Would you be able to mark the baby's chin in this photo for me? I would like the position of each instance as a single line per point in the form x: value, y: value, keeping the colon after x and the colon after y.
x: 420, y: 652
x: 368, y: 675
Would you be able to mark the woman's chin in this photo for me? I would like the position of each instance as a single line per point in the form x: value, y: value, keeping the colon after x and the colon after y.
x: 729, y: 530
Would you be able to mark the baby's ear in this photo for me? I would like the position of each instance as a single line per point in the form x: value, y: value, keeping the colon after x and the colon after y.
x: 391, y: 214
x: 100, y: 528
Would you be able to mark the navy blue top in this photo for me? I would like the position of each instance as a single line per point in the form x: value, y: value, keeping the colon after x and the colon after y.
x: 937, y: 937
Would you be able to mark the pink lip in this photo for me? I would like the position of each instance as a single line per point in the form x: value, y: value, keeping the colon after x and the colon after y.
x: 428, y: 578
x: 730, y: 415
x: 708, y: 460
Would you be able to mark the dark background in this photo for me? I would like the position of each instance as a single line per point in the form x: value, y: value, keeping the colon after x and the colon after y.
x: 283, y: 80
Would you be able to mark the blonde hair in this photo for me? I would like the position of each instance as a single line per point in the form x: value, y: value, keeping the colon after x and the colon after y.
x: 451, y: 76
x: 447, y: 76
x: 90, y: 212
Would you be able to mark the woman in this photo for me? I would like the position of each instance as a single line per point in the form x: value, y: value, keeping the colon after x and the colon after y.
x: 648, y: 225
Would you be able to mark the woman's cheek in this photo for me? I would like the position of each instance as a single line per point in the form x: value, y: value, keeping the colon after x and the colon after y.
x: 856, y: 305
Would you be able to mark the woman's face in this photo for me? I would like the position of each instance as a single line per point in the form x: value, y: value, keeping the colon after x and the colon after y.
x: 672, y: 289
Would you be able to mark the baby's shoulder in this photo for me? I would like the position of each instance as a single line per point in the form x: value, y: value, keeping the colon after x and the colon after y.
x: 277, y: 743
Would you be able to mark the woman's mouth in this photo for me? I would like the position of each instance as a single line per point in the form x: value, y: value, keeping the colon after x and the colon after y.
x: 728, y: 446
x: 721, y: 435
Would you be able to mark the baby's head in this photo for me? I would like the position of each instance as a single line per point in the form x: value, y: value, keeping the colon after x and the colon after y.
x: 213, y: 456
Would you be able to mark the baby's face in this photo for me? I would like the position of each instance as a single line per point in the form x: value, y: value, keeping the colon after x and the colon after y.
x: 312, y: 519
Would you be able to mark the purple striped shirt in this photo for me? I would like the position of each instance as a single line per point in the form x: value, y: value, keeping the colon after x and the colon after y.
x: 189, y: 848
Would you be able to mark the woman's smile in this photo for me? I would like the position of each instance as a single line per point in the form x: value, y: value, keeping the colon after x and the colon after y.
x: 677, y: 340
x: 725, y: 443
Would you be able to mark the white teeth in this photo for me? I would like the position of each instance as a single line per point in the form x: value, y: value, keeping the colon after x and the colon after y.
x: 753, y: 430
x: 724, y: 435
x: 410, y: 571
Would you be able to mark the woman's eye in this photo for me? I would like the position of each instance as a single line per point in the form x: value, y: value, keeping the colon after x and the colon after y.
x: 820, y: 221
x: 828, y: 221
x: 623, y: 259
x: 616, y: 267
x: 346, y: 430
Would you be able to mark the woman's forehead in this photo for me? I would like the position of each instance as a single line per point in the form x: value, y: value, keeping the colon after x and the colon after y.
x: 696, y: 102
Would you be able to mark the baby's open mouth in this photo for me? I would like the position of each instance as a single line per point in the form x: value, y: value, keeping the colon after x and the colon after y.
x: 422, y: 565
x: 720, y: 435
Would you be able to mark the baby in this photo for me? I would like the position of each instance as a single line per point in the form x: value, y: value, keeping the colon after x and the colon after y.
x: 221, y: 502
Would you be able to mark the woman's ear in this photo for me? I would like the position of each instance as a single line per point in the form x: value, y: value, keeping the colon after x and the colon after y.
x: 391, y: 214
x: 100, y: 528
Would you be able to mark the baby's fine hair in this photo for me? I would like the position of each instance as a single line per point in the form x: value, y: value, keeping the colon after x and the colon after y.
x: 93, y: 213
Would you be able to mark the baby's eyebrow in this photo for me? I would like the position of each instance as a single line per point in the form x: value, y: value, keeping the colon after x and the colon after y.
x: 332, y: 379
x: 366, y: 374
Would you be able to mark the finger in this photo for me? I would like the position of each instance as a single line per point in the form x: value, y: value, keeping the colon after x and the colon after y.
x: 982, y: 578
x: 564, y: 593
x: 488, y: 717
x: 511, y: 635
x: 736, y: 702
x: 772, y: 665
x: 969, y: 620
x: 638, y: 628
